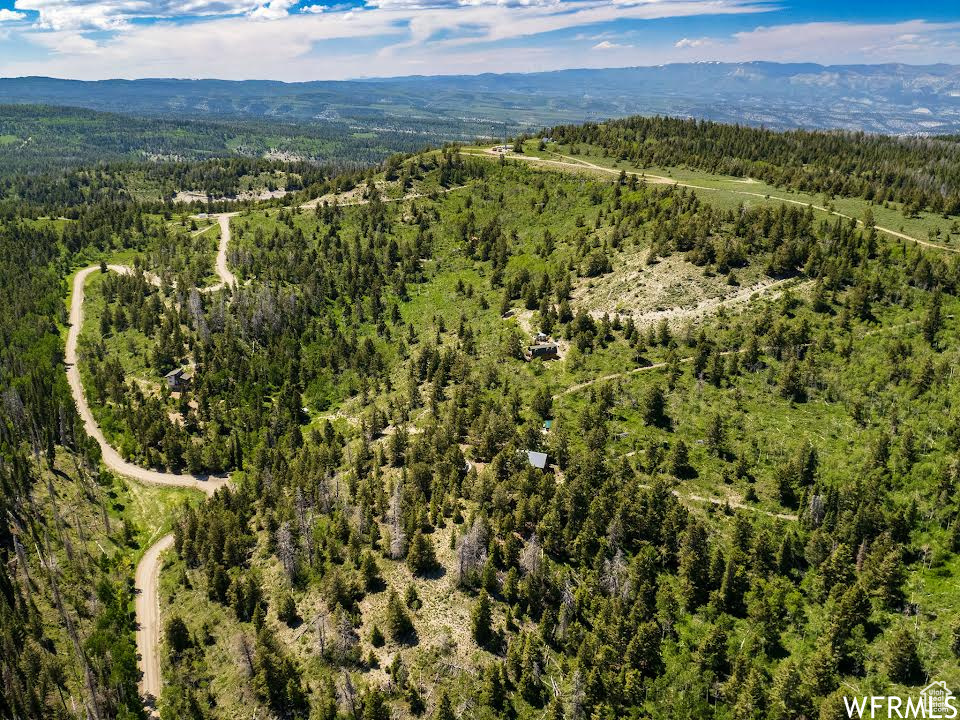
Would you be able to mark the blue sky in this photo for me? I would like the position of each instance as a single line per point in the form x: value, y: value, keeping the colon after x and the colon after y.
x: 290, y: 40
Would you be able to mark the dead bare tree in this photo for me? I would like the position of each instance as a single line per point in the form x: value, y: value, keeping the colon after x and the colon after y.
x: 246, y: 653
x: 471, y: 552
x: 398, y: 539
x: 532, y: 556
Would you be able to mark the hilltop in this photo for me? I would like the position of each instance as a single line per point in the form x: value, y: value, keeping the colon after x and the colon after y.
x: 647, y: 418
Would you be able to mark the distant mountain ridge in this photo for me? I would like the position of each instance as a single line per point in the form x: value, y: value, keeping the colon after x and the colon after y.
x: 894, y: 98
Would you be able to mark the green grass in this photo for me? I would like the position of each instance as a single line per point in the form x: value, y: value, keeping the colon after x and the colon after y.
x: 131, y: 346
x: 124, y: 257
x: 152, y: 509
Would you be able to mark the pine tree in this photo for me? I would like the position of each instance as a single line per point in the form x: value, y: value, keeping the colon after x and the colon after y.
x: 834, y: 706
x: 375, y: 706
x: 752, y: 698
x: 644, y: 652
x: 530, y: 683
x: 902, y: 663
x: 287, y: 609
x: 715, y: 435
x: 694, y: 567
x: 177, y: 636
x: 555, y: 710
x: 493, y: 694
x: 791, y: 385
x: 733, y: 586
x: 678, y: 461
x: 488, y: 577
x: 421, y: 558
x: 370, y: 572
x: 932, y: 320
x: 711, y: 655
x: 481, y: 620
x: 106, y: 321
x: 411, y: 597
x: 398, y: 621
x: 788, y: 698
x: 653, y: 406
x: 444, y: 709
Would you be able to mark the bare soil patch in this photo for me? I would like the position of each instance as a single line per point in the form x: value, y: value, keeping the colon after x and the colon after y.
x: 671, y: 289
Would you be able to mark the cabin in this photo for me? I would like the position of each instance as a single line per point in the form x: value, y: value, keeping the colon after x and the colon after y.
x: 537, y: 459
x: 178, y: 380
x: 545, y: 350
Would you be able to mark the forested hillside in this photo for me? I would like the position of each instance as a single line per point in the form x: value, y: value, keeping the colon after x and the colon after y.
x: 920, y: 173
x: 70, y: 531
x: 748, y: 501
x: 47, y: 139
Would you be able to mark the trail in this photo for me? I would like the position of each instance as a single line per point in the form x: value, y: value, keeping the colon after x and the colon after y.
x: 147, y: 605
x: 227, y: 278
x: 729, y: 502
x: 614, y: 376
x: 734, y: 504
x: 579, y: 164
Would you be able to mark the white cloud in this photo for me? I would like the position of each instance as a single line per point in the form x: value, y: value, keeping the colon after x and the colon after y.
x: 66, y: 43
x: 911, y: 41
x: 117, y: 14
x: 273, y: 10
x: 475, y: 36
x: 607, y: 45
x: 10, y: 16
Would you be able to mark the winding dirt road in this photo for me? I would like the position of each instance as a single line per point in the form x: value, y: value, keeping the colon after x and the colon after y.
x: 147, y: 605
x: 111, y: 458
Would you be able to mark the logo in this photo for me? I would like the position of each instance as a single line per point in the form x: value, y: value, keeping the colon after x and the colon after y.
x: 936, y: 694
x: 936, y: 700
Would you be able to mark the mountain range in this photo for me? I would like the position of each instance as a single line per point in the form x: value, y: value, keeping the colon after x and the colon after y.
x: 894, y: 99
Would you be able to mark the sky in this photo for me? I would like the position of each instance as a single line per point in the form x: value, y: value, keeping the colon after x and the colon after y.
x: 308, y: 40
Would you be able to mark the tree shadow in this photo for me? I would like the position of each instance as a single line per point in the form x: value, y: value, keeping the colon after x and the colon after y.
x: 410, y: 639
x: 435, y: 573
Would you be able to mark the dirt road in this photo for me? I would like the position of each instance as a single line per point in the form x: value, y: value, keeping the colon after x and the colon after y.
x: 111, y: 458
x: 147, y: 605
x: 227, y: 278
